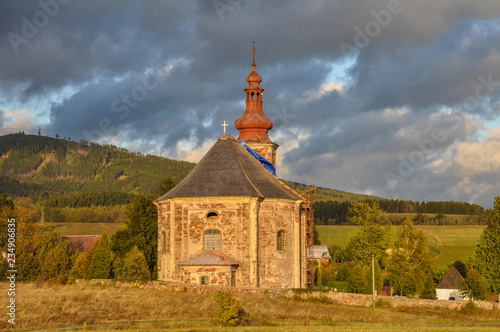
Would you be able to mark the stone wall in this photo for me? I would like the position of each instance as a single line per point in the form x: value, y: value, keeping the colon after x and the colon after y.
x: 361, y: 300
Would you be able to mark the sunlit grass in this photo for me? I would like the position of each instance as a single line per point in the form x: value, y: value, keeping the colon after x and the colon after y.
x: 44, y: 306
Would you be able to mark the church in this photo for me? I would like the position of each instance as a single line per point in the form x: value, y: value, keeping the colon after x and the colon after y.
x: 231, y: 221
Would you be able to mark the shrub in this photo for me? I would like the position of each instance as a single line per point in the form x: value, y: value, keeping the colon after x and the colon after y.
x: 470, y: 308
x: 229, y: 311
x: 133, y: 266
x: 381, y: 303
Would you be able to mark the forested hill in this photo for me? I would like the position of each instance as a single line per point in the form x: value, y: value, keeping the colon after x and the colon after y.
x: 46, y: 168
x: 76, y: 174
x: 61, y: 173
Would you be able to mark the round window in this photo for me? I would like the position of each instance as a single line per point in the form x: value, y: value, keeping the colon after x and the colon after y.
x: 212, y: 215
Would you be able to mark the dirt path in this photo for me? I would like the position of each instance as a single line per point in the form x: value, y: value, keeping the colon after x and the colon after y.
x: 438, y: 240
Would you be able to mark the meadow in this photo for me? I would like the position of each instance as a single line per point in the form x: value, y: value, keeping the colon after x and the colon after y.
x: 46, y: 306
x: 85, y: 228
x: 453, y: 242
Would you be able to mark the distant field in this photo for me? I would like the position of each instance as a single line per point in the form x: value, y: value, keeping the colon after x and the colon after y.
x: 454, y: 242
x: 87, y: 228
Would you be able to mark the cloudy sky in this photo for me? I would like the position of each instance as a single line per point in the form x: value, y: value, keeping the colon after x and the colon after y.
x: 399, y: 99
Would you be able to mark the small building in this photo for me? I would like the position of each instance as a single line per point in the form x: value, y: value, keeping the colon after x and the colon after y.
x: 81, y: 243
x: 448, y: 288
x: 320, y: 254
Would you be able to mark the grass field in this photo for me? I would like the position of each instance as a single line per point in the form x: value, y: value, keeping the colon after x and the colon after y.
x: 454, y: 242
x: 86, y: 228
x: 45, y: 306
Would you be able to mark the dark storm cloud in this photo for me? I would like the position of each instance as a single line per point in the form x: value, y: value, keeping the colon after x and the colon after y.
x: 415, y: 59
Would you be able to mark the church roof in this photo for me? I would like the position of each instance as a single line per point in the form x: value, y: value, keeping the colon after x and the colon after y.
x: 451, y: 280
x: 209, y: 258
x: 227, y: 169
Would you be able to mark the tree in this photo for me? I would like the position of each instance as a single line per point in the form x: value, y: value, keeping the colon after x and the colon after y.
x: 410, y: 261
x: 55, y: 262
x: 80, y: 268
x: 473, y: 286
x: 166, y: 185
x: 141, y: 230
x: 133, y: 266
x: 317, y: 241
x: 373, y: 237
x: 429, y: 291
x: 229, y: 311
x: 101, y: 258
x: 487, y: 252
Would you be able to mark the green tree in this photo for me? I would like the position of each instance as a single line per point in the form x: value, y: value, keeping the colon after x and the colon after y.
x: 429, y: 291
x: 487, y: 252
x: 55, y: 262
x: 133, y: 266
x: 229, y: 311
x: 141, y: 230
x: 166, y: 185
x: 358, y: 276
x: 80, y: 269
x: 317, y: 241
x: 473, y: 286
x: 410, y: 262
x: 374, y: 235
x: 101, y: 258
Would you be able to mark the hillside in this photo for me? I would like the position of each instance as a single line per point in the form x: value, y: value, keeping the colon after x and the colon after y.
x: 71, y: 179
x: 66, y: 173
x: 44, y: 168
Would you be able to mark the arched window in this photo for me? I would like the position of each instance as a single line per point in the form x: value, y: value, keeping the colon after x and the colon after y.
x: 164, y: 242
x: 212, y: 239
x: 252, y: 94
x: 281, y: 240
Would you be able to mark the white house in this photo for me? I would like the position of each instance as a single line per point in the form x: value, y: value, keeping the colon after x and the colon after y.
x: 448, y: 288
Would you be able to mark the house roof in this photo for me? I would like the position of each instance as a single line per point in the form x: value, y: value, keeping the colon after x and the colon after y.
x: 451, y: 280
x: 81, y: 242
x: 227, y: 169
x: 318, y: 252
x: 209, y: 258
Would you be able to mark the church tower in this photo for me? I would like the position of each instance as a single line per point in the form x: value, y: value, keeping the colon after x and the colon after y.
x: 253, y: 125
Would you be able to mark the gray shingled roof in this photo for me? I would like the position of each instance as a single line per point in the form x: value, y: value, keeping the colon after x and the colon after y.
x: 227, y: 169
x: 209, y: 258
x: 451, y: 280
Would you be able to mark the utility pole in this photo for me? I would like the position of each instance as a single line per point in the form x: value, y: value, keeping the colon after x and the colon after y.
x: 373, y: 279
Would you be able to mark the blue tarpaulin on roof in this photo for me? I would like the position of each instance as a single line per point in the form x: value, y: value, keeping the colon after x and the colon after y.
x: 269, y: 166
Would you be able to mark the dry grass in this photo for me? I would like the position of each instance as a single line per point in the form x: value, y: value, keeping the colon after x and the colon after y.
x: 51, y: 306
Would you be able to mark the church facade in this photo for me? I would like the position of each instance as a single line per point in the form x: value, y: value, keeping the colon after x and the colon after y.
x: 230, y: 221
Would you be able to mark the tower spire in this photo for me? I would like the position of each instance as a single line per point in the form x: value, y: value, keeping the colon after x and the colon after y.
x: 254, y: 125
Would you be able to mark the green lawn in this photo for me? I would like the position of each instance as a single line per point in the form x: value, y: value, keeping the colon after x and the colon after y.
x: 87, y: 228
x: 454, y: 242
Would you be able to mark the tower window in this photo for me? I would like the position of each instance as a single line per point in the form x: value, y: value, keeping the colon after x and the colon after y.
x: 253, y: 94
x: 281, y: 240
x: 212, y: 239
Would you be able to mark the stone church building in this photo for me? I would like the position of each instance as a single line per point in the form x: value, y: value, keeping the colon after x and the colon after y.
x: 231, y: 221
